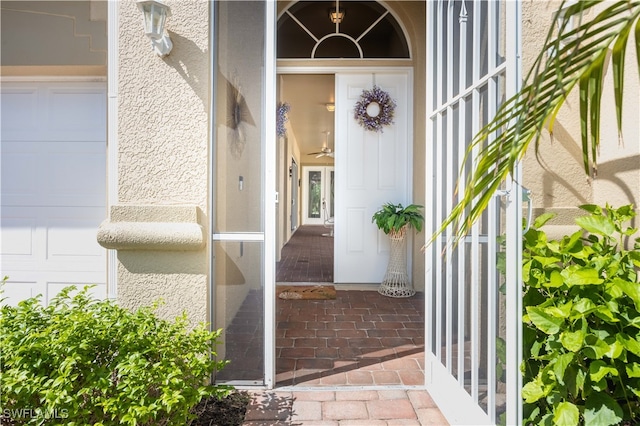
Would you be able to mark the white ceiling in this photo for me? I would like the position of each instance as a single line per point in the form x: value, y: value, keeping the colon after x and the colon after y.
x: 309, y: 119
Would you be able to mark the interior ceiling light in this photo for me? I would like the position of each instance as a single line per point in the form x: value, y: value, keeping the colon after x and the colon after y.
x: 336, y: 15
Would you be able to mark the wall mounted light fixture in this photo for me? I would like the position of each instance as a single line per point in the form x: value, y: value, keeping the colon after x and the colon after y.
x: 155, y: 13
x: 330, y: 107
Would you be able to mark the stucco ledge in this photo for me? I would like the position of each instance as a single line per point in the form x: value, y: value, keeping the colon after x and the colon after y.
x: 151, y: 236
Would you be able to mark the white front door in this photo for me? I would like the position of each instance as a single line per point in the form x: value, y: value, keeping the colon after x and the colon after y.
x: 372, y: 168
x: 53, y: 193
x: 318, y: 195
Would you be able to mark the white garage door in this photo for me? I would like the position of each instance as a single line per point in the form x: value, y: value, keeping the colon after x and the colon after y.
x: 53, y: 187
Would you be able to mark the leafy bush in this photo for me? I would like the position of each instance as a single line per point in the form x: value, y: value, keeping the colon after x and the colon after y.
x: 582, y: 323
x: 81, y: 361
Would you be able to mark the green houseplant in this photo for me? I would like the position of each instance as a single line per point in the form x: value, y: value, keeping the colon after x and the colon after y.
x: 394, y: 220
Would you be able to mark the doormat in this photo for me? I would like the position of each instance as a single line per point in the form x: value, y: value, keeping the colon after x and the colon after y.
x: 306, y: 292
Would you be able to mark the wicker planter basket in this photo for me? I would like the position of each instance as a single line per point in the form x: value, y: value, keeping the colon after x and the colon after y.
x: 396, y: 282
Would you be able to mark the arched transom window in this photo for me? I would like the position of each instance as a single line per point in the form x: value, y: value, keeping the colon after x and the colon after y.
x: 340, y: 29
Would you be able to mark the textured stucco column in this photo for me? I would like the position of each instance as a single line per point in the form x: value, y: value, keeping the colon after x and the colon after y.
x: 163, y: 157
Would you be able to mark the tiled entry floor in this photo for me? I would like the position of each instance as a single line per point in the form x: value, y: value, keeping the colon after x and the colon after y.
x: 361, y: 338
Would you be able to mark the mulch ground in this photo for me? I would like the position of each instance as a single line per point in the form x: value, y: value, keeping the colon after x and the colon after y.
x: 229, y: 411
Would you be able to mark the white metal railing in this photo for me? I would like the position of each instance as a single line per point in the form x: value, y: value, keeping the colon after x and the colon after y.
x: 469, y: 60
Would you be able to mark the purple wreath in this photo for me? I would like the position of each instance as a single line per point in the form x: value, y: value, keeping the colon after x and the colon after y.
x: 383, y: 118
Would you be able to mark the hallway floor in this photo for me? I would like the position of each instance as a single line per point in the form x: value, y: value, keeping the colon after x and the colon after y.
x: 307, y: 257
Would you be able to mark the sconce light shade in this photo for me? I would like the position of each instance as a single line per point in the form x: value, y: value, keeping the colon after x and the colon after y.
x: 330, y: 107
x: 155, y: 13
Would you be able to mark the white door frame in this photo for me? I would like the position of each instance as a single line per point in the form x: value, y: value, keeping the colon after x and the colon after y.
x: 325, y: 186
x: 269, y: 193
x: 295, y: 195
x: 113, y: 31
x: 333, y: 70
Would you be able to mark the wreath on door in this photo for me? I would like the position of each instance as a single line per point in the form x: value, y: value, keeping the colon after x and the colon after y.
x: 374, y: 109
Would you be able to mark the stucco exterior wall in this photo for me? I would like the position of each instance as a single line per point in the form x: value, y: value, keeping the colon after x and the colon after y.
x: 558, y: 181
x: 163, y: 154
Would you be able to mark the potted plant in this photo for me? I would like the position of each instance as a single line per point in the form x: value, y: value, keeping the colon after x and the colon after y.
x: 394, y: 220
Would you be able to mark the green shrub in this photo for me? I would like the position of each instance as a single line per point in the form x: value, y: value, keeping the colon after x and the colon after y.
x: 81, y: 361
x: 582, y: 323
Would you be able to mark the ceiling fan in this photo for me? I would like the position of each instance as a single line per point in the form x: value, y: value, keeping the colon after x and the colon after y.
x: 325, y: 151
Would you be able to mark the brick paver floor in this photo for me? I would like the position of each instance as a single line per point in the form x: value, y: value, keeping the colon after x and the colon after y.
x: 361, y: 338
x: 348, y: 361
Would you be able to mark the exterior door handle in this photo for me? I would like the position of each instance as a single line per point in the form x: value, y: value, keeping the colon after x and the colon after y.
x: 526, y: 197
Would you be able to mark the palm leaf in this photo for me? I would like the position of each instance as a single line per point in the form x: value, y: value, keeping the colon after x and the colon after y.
x: 578, y: 59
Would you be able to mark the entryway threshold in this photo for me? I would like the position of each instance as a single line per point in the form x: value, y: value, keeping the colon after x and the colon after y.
x: 338, y: 286
x: 299, y: 388
x: 370, y: 405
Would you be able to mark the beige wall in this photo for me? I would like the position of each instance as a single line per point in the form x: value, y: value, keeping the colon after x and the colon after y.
x: 163, y: 154
x: 412, y: 14
x: 287, y: 150
x: 558, y: 181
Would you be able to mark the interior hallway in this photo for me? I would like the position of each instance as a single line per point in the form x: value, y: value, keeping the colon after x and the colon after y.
x: 307, y: 257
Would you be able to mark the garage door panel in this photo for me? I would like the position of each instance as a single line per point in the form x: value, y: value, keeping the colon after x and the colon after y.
x: 73, y: 238
x: 53, y: 173
x: 17, y: 236
x: 17, y: 290
x: 19, y: 112
x: 52, y: 239
x: 73, y: 177
x: 18, y: 178
x: 76, y: 115
x: 97, y: 290
x: 53, y: 190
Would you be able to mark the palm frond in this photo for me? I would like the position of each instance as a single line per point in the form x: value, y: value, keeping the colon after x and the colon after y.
x: 574, y: 54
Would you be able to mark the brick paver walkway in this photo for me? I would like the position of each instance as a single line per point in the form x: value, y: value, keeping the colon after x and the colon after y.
x: 343, y: 407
